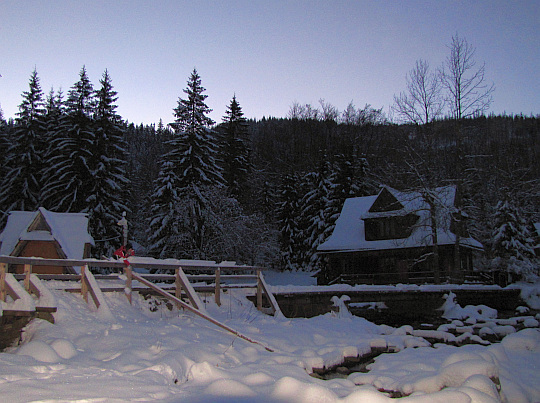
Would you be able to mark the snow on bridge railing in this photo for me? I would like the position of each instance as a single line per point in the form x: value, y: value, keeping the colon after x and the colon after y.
x: 176, y: 266
x: 90, y: 287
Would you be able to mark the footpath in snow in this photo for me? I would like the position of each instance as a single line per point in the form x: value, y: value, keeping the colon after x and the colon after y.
x: 146, y: 352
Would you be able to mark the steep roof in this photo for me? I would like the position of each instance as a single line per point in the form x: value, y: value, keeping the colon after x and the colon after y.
x: 70, y: 230
x: 349, y: 233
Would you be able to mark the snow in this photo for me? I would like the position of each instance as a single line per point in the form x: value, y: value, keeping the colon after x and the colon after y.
x: 151, y: 353
x: 25, y: 302
x: 46, y: 298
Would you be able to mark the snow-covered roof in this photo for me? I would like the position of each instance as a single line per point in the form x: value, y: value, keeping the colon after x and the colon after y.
x: 70, y: 230
x: 349, y: 233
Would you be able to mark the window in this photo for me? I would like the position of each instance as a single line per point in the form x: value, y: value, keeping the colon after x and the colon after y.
x: 389, y: 227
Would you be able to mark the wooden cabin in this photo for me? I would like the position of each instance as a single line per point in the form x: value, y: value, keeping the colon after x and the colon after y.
x: 46, y: 234
x: 400, y: 237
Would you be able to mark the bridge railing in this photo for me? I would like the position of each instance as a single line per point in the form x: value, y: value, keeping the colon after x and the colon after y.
x: 211, y: 277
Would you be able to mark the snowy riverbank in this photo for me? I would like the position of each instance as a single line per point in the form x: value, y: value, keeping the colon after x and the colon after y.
x: 145, y: 352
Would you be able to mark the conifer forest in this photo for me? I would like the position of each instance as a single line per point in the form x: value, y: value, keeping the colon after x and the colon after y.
x: 268, y: 191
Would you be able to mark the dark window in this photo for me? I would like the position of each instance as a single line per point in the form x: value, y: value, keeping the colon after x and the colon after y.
x: 389, y: 227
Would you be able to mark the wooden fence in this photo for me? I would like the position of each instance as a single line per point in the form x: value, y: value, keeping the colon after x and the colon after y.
x: 89, y: 287
x: 209, y: 277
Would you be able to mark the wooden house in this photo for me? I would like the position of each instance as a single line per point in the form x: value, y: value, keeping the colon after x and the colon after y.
x: 400, y: 237
x: 46, y: 234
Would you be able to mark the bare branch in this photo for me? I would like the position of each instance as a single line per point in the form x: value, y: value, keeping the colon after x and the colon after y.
x: 468, y: 92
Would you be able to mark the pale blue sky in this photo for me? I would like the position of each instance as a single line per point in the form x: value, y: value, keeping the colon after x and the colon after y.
x: 270, y: 53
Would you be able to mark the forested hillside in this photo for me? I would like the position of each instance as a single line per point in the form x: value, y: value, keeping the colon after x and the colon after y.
x: 265, y: 191
x: 301, y: 171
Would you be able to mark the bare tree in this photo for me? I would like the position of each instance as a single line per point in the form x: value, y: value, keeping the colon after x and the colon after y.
x: 422, y: 102
x: 296, y: 111
x: 328, y: 111
x: 468, y: 92
x: 368, y: 115
x: 303, y: 112
x: 349, y: 115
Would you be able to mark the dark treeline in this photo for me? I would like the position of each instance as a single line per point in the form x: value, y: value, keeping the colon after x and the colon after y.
x: 301, y: 171
x: 266, y: 191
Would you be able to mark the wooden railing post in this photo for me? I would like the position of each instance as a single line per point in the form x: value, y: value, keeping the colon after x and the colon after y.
x: 259, y: 290
x: 177, y: 284
x: 27, y: 272
x: 217, y: 292
x: 84, y: 283
x: 129, y: 279
x: 3, y: 290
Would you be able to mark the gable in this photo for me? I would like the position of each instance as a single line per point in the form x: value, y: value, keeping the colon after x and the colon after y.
x: 385, y: 201
x: 39, y: 224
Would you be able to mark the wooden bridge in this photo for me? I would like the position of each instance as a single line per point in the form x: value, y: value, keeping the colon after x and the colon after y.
x: 26, y: 295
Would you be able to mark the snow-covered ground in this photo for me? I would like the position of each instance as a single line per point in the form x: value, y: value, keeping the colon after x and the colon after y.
x: 144, y: 352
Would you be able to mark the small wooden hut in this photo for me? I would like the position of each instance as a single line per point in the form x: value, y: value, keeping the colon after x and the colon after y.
x: 46, y: 234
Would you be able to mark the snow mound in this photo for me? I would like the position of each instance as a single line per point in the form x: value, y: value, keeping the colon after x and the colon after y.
x: 527, y: 339
x: 40, y: 351
x: 229, y: 387
x: 64, y: 348
x: 290, y: 389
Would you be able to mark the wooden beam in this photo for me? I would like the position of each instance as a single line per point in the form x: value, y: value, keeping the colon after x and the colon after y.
x: 259, y: 291
x: 27, y: 272
x: 273, y: 302
x: 128, y: 271
x: 189, y: 290
x: 196, y: 311
x: 119, y: 264
x: 84, y: 283
x: 177, y: 284
x: 3, y: 288
x: 217, y: 291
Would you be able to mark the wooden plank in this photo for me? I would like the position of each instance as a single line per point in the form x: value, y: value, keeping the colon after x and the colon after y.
x: 119, y: 264
x: 270, y: 296
x: 128, y: 271
x: 46, y: 309
x: 190, y: 292
x: 177, y: 284
x: 217, y: 291
x: 27, y: 272
x: 84, y: 283
x: 197, y: 311
x: 3, y: 288
x: 93, y: 288
x: 11, y: 312
x: 259, y: 291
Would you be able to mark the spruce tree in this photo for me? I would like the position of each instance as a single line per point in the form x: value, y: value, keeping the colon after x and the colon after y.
x: 315, y: 213
x: 163, y: 226
x: 235, y: 150
x: 288, y: 213
x: 21, y: 186
x: 513, y: 244
x: 107, y: 198
x: 511, y: 235
x: 188, y: 170
x: 70, y: 176
x: 195, y: 141
x: 55, y: 110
